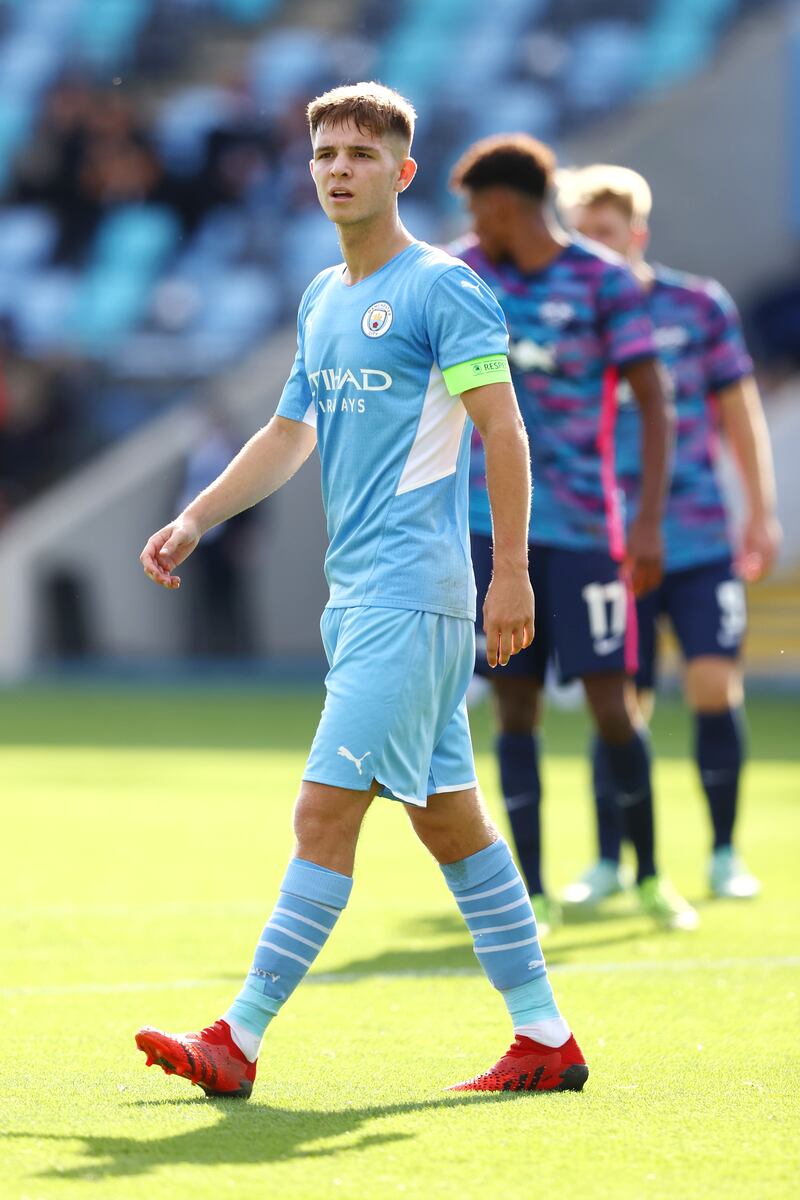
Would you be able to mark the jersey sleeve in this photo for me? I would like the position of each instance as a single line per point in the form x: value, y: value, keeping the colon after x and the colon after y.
x: 467, y: 330
x: 727, y: 359
x: 624, y: 323
x: 297, y: 402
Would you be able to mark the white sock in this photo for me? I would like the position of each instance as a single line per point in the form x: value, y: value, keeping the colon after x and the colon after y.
x: 552, y: 1032
x: 249, y: 1043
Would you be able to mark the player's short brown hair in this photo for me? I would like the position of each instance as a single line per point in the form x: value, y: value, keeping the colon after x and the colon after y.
x: 372, y: 107
x: 602, y: 183
x: 513, y: 160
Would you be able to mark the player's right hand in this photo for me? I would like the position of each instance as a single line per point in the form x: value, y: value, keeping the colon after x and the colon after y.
x: 508, y: 616
x: 644, y: 557
x: 167, y: 549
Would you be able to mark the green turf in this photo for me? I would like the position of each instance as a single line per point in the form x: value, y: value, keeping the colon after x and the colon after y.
x: 143, y: 837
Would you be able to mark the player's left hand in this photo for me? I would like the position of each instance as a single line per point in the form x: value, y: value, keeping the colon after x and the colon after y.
x: 644, y: 557
x: 508, y: 616
x: 761, y: 541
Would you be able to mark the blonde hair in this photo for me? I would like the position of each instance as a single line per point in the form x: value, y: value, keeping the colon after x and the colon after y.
x: 372, y: 107
x: 602, y: 183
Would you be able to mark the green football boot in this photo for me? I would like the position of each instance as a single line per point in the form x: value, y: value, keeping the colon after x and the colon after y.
x: 548, y: 914
x: 658, y: 899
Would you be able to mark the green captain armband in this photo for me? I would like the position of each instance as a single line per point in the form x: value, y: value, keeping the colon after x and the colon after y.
x: 477, y: 372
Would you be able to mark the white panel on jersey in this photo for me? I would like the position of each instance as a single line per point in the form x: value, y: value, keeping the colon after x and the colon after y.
x: 310, y: 416
x: 434, y: 454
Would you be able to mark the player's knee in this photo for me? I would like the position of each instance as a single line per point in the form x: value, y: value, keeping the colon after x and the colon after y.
x: 517, y: 708
x: 323, y: 824
x: 454, y: 829
x: 714, y: 683
x: 614, y: 723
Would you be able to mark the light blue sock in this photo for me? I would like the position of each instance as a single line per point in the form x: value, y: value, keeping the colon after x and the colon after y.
x: 495, y: 904
x: 310, y: 901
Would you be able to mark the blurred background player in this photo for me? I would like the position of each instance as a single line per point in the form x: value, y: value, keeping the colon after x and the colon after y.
x: 576, y: 321
x: 700, y: 342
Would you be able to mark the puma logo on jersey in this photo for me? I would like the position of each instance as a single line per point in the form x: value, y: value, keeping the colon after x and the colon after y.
x: 343, y: 752
x: 473, y: 287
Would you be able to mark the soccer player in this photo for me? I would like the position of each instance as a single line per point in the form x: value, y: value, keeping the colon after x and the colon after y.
x: 397, y: 348
x: 702, y: 593
x: 576, y: 321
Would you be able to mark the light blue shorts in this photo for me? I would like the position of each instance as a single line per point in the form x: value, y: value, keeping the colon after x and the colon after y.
x: 395, y: 708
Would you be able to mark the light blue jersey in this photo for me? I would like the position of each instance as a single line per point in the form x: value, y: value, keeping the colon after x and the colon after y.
x: 373, y: 374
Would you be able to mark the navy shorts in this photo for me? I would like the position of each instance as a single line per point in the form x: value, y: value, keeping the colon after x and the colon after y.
x: 707, y: 609
x: 585, y: 615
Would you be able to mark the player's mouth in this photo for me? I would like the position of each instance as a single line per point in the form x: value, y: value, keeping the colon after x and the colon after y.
x: 339, y: 195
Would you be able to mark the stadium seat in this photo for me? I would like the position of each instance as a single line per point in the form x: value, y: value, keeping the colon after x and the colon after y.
x: 247, y: 11
x: 285, y: 64
x: 137, y: 237
x: 27, y: 237
x: 680, y: 38
x: 246, y: 302
x: 604, y: 68
x: 524, y: 106
x: 308, y: 245
x: 130, y: 250
x: 43, y: 308
x: 28, y: 62
x: 185, y: 121
x: 106, y: 33
x: 16, y: 116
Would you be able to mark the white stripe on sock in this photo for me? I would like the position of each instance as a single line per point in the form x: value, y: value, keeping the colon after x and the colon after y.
x: 502, y: 928
x: 492, y: 912
x: 287, y: 912
x: 507, y: 946
x: 297, y: 937
x: 318, y: 903
x: 492, y: 891
x: 307, y: 962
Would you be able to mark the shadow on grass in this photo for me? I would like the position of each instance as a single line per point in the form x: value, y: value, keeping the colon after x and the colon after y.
x: 457, y: 957
x: 245, y: 1135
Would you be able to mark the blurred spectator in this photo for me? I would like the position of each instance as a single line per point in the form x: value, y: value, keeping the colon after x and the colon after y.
x: 34, y: 425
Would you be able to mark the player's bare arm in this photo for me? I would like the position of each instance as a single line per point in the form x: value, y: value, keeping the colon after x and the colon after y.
x: 645, y: 543
x: 508, y: 614
x: 268, y: 460
x: 746, y: 431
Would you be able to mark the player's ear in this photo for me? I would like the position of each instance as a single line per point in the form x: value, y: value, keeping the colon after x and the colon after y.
x: 408, y: 169
x: 311, y: 167
x: 641, y: 237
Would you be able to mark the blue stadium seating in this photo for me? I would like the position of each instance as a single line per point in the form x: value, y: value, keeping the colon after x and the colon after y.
x: 27, y: 238
x: 107, y: 32
x: 131, y: 249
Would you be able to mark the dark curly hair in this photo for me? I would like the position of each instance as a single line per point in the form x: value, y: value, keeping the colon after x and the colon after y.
x: 513, y: 160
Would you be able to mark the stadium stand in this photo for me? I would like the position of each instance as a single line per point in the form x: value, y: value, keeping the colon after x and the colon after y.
x: 156, y: 224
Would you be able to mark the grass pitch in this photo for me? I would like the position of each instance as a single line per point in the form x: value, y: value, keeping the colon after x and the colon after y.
x: 144, y: 835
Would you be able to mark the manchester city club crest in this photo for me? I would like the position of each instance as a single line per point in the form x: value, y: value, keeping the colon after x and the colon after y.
x: 377, y: 319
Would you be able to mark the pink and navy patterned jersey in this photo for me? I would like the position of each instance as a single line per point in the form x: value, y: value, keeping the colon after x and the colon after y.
x: 700, y: 343
x: 571, y: 326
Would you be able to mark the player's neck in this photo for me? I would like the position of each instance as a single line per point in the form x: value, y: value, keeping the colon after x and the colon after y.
x: 536, y: 242
x: 369, y: 245
x: 644, y: 273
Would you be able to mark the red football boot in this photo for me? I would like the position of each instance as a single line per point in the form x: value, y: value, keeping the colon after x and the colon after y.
x: 210, y: 1058
x: 528, y: 1066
